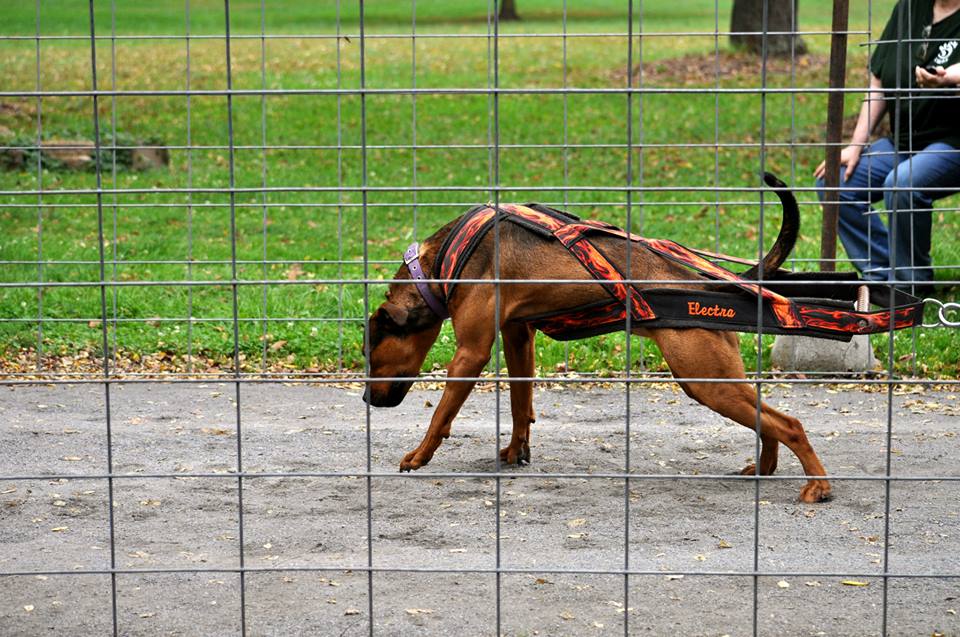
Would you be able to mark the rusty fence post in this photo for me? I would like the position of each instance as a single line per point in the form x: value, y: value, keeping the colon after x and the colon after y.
x: 838, y: 69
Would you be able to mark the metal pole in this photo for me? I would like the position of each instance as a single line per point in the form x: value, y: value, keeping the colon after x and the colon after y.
x: 838, y: 69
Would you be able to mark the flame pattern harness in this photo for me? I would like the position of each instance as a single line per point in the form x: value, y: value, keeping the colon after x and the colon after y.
x: 663, y: 307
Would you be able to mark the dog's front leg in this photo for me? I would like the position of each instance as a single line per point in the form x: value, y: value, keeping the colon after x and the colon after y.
x: 473, y: 353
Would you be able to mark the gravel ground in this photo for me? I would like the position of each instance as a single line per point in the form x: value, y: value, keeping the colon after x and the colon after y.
x: 704, y: 525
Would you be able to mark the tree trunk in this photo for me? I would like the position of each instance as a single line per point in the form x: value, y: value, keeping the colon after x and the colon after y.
x: 747, y: 16
x: 508, y: 10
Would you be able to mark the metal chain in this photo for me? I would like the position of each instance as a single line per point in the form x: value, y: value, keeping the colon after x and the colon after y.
x: 943, y: 309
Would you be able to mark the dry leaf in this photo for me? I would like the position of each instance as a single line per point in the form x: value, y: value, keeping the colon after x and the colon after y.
x: 853, y: 582
x: 567, y: 615
x: 419, y: 611
x: 28, y: 608
x: 59, y: 529
x: 146, y: 615
x: 783, y: 584
x: 72, y: 458
x: 278, y: 345
x: 723, y: 544
x: 576, y: 522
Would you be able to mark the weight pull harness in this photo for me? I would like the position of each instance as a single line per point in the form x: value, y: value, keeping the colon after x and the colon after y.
x: 838, y: 316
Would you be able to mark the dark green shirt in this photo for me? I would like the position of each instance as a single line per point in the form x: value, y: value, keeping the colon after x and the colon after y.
x: 925, y: 117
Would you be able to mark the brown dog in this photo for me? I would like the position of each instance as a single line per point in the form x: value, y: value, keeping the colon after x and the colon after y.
x: 403, y: 329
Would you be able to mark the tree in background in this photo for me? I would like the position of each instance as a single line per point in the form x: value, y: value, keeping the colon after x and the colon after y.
x: 747, y: 16
x: 508, y: 10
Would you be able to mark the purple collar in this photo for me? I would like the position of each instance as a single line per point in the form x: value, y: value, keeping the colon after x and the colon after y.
x: 412, y: 258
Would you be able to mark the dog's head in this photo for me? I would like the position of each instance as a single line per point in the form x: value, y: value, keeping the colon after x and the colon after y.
x: 400, y: 335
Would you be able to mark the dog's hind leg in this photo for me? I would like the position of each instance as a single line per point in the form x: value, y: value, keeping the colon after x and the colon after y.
x: 518, y: 350
x: 710, y: 354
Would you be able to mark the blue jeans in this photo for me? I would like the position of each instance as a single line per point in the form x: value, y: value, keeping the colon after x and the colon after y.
x: 867, y: 240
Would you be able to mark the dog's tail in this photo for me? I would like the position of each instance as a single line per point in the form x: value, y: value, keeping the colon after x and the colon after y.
x: 789, y: 230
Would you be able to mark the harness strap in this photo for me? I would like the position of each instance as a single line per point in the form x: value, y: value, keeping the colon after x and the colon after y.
x: 573, y: 234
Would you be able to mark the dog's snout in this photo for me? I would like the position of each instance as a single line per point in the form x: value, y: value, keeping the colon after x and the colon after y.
x: 393, y: 396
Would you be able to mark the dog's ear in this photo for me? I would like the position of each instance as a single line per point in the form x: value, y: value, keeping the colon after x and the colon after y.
x: 398, y: 315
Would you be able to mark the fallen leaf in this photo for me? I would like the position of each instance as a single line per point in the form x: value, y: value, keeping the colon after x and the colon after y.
x: 146, y: 615
x: 783, y: 584
x: 419, y: 611
x: 72, y: 458
x: 351, y: 611
x: 216, y: 431
x: 724, y: 544
x: 567, y: 615
x: 853, y: 582
x: 28, y: 608
x: 59, y: 529
x: 576, y: 522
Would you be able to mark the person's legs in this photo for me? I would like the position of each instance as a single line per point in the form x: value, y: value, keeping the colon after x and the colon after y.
x: 910, y: 205
x: 864, y: 236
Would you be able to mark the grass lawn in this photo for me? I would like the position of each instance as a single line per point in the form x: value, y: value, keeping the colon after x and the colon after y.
x: 313, y: 240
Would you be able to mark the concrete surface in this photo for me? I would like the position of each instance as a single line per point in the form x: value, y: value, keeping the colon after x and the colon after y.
x: 790, y: 353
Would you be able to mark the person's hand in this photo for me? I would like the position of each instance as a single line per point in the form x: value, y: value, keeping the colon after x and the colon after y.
x: 926, y: 79
x: 849, y: 157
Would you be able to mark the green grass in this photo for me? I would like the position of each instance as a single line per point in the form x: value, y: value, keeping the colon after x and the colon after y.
x: 318, y: 229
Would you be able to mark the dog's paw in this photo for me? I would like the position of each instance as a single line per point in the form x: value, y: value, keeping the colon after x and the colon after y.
x: 519, y: 457
x: 815, y: 491
x: 749, y: 470
x: 412, y: 461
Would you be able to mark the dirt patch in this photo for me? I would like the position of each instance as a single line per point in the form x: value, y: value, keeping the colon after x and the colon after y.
x: 726, y: 67
x: 188, y: 523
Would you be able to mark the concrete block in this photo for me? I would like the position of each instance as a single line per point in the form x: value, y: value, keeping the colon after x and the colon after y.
x: 808, y: 354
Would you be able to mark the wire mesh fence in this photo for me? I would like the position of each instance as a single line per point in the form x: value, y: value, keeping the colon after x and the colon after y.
x: 204, y: 203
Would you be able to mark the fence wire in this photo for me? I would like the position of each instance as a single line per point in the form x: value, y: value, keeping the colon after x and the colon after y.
x: 349, y: 191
